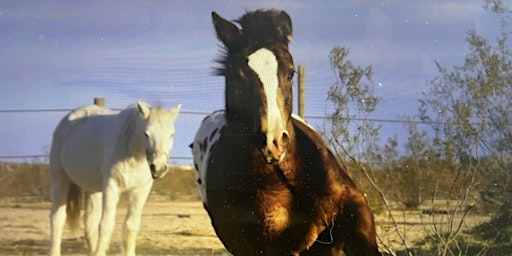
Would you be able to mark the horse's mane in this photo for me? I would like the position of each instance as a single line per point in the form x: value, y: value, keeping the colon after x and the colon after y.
x: 129, y: 125
x: 267, y: 25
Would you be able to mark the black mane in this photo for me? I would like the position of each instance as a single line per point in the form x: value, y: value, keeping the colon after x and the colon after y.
x: 258, y: 28
x: 266, y: 25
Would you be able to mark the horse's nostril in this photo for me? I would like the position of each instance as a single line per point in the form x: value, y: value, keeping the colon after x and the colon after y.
x: 285, y: 138
x: 282, y: 141
x: 152, y: 167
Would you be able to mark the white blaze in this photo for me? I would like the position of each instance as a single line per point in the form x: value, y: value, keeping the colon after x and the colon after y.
x: 264, y: 63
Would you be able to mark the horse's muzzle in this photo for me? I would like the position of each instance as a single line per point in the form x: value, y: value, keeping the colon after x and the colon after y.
x: 158, y: 172
x: 276, y: 147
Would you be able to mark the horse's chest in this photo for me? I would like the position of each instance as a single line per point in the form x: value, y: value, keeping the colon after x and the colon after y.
x: 129, y: 174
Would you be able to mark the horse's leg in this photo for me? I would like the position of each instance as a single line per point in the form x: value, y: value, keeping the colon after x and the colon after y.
x: 110, y: 199
x: 131, y: 228
x: 357, y: 226
x: 59, y: 194
x: 92, y: 219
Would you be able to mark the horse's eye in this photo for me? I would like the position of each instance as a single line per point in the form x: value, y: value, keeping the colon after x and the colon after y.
x: 291, y: 74
x: 146, y: 134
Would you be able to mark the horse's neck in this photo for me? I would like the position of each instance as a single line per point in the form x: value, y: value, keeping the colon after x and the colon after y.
x: 129, y: 137
x: 238, y: 121
x: 237, y: 124
x: 136, y: 146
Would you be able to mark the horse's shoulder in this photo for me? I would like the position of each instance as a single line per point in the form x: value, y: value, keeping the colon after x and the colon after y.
x: 311, y: 137
x: 297, y: 118
x: 300, y: 125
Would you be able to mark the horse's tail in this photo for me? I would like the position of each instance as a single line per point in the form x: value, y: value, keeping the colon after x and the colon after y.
x: 73, y: 207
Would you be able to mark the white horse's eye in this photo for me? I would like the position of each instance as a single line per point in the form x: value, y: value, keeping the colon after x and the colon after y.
x: 146, y: 134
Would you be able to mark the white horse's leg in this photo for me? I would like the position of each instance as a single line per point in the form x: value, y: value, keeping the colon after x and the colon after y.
x: 92, y: 219
x: 59, y: 194
x: 131, y: 228
x: 110, y: 199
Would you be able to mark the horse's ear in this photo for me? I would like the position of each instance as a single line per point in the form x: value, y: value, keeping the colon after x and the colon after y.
x: 283, y: 23
x: 176, y: 110
x: 144, y: 109
x: 227, y: 32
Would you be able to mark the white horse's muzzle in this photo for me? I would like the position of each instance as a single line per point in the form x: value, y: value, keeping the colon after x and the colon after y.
x: 158, y: 172
x: 157, y: 165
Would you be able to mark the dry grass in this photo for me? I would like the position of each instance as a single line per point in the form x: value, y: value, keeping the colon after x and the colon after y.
x: 31, y: 181
x: 174, y: 222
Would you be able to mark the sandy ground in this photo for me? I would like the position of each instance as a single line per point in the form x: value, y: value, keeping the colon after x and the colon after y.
x: 168, y: 228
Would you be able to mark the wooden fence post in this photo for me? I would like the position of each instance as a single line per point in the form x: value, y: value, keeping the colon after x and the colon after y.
x: 301, y: 90
x: 99, y: 101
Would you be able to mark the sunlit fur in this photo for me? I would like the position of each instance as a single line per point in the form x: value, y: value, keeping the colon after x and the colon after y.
x: 269, y: 183
x: 104, y: 154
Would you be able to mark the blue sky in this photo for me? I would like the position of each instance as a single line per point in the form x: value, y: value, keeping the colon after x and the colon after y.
x: 62, y: 54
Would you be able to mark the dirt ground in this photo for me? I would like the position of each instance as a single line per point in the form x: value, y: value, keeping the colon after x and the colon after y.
x: 168, y: 228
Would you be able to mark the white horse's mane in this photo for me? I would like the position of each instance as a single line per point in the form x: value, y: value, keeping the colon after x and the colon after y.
x: 131, y: 124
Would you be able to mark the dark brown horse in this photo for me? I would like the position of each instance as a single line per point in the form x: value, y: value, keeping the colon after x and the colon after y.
x: 269, y: 183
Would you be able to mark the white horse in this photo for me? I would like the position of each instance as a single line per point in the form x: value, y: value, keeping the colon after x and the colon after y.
x: 104, y: 154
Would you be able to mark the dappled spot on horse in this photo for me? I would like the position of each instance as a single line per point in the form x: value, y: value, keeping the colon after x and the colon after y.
x: 104, y: 153
x: 269, y: 183
x: 209, y: 132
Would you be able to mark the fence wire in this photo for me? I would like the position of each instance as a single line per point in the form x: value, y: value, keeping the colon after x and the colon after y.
x: 43, y: 156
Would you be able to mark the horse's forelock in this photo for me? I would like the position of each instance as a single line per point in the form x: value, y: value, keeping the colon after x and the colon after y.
x: 269, y: 25
x: 259, y: 29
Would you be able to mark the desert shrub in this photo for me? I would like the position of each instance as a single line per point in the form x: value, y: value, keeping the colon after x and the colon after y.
x: 32, y: 180
x: 25, y: 180
x: 178, y: 184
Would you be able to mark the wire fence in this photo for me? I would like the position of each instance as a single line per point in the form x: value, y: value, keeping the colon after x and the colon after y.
x: 184, y: 112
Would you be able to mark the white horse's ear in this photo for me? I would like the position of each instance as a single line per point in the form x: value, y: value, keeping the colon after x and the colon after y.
x: 143, y: 109
x: 176, y: 110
